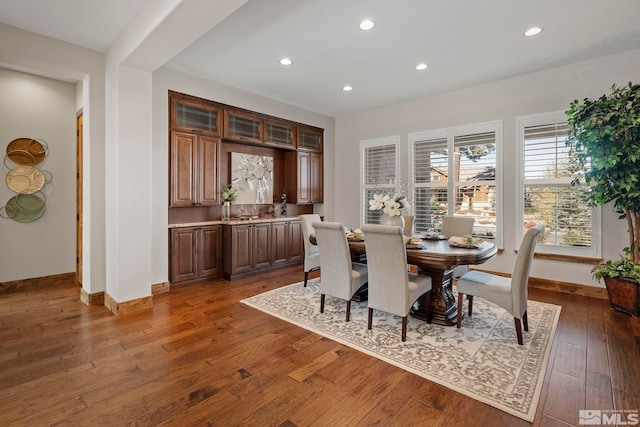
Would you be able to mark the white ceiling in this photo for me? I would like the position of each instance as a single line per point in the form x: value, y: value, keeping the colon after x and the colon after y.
x: 465, y: 43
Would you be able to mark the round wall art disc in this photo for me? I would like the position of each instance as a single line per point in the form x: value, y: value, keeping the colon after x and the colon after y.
x: 24, y: 207
x: 27, y: 151
x: 25, y: 179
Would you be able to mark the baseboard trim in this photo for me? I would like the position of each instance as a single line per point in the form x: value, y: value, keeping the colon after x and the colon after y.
x: 126, y: 307
x: 160, y: 288
x: 559, y: 286
x: 37, y: 282
x: 569, y: 288
x: 96, y: 298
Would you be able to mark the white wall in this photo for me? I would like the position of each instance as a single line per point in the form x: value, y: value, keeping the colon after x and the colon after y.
x: 535, y: 93
x: 38, y: 55
x: 39, y: 107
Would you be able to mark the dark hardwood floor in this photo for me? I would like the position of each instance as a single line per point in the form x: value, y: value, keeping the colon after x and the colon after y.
x: 200, y: 357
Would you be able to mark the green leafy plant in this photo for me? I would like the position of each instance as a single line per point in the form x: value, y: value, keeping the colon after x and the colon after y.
x: 229, y: 194
x: 605, y: 134
x: 623, y: 267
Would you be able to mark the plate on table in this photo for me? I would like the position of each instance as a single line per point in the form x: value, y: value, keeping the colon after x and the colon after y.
x: 434, y: 237
x: 463, y: 242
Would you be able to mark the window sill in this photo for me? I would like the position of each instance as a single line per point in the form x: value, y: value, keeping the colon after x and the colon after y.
x: 567, y: 258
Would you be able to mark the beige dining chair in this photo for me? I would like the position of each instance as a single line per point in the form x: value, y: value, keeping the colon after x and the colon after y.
x: 509, y: 293
x: 457, y: 226
x: 392, y: 288
x: 339, y: 277
x: 408, y: 225
x: 311, y: 255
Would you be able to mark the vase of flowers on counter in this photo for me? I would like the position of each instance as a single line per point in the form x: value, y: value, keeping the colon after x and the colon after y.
x: 228, y: 195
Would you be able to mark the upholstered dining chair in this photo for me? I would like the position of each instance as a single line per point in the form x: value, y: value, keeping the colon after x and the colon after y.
x: 408, y: 225
x: 311, y: 255
x: 392, y: 288
x: 509, y: 293
x: 339, y: 277
x: 457, y: 226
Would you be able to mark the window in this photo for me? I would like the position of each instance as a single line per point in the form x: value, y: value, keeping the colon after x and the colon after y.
x: 546, y: 194
x: 454, y: 172
x: 378, y: 174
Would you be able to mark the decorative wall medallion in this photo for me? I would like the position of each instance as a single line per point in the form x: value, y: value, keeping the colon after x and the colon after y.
x: 25, y: 179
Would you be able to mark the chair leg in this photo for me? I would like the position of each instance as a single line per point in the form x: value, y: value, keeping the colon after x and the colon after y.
x: 518, y: 330
x: 404, y: 328
x: 470, y: 298
x: 321, y: 303
x: 525, y: 321
x: 306, y: 277
x: 370, y: 322
x: 348, y: 309
x: 459, y: 317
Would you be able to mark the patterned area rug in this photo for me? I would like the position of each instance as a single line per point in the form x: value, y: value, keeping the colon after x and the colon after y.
x: 482, y: 359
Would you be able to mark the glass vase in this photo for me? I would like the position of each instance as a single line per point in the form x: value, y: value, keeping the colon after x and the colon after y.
x: 396, y: 220
x: 226, y: 211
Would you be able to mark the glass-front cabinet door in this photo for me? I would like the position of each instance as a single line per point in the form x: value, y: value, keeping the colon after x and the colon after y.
x: 195, y: 117
x: 242, y: 126
x: 280, y: 133
x: 310, y: 138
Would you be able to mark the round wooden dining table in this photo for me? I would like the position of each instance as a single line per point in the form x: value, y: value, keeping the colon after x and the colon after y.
x: 436, y: 259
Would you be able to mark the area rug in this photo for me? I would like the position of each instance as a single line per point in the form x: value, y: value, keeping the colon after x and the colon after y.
x: 481, y: 360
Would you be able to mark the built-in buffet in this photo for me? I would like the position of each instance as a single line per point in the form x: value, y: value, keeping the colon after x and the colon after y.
x: 207, y: 141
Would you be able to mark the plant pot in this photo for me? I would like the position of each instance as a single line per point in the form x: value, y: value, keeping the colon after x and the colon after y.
x: 623, y: 294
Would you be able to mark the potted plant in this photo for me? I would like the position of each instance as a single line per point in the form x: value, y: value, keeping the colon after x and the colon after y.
x: 605, y: 136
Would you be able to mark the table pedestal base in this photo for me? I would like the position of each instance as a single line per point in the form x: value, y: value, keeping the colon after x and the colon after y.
x: 361, y: 294
x: 444, y: 310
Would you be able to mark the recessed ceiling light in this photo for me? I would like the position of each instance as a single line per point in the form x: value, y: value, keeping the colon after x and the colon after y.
x: 533, y: 31
x: 422, y: 66
x: 347, y: 88
x: 367, y: 24
x: 286, y: 61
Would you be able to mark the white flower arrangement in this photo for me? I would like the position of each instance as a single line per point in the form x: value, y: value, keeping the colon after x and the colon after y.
x: 392, y: 206
x: 228, y: 193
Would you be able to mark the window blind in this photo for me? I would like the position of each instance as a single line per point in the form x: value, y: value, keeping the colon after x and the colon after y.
x: 456, y: 175
x: 548, y: 197
x: 430, y: 175
x: 379, y: 176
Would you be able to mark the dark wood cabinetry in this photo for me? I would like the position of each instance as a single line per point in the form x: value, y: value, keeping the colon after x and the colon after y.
x: 279, y: 236
x: 193, y: 170
x: 195, y: 253
x: 304, y: 177
x: 254, y: 247
x: 310, y: 138
x: 280, y: 133
x: 202, y: 136
x: 242, y: 126
x: 295, y: 245
x: 316, y: 188
x: 195, y: 115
